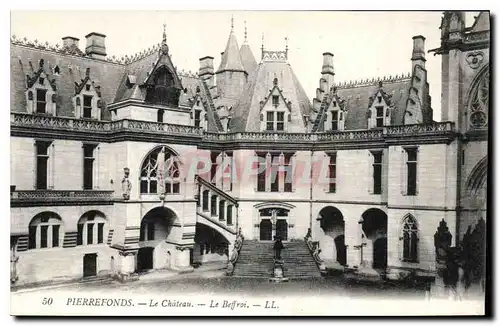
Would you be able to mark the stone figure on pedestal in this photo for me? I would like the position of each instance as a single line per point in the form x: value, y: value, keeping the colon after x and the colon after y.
x: 126, y: 184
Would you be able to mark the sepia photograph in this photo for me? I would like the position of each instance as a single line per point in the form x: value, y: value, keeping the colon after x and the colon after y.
x: 249, y: 163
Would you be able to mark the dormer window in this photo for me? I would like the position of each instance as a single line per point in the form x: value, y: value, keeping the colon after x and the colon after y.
x: 334, y: 104
x: 335, y: 120
x: 280, y: 123
x: 87, y: 106
x: 270, y: 121
x: 276, y: 100
x: 379, y: 119
x: 379, y: 99
x: 87, y: 87
x: 41, y: 81
x: 197, y: 118
x: 41, y: 102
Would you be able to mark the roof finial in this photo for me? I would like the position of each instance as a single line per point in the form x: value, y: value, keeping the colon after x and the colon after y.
x: 245, y: 31
x: 164, y: 33
x: 232, y: 23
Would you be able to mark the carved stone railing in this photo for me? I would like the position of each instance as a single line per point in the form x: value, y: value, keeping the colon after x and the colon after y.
x: 64, y: 123
x: 353, y: 135
x: 315, y: 251
x: 57, y: 195
x: 238, y: 243
x: 420, y: 129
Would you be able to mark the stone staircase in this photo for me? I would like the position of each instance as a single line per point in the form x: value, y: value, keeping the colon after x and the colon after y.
x: 298, y: 261
x: 256, y: 260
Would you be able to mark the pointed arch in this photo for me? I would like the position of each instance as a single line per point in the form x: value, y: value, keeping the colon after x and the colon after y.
x: 478, y: 177
x: 477, y: 101
x: 149, y: 176
x: 410, y: 238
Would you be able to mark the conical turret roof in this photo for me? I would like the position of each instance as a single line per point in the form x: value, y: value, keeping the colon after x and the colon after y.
x: 231, y: 59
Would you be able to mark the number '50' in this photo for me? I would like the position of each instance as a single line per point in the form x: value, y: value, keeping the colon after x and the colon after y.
x: 47, y: 301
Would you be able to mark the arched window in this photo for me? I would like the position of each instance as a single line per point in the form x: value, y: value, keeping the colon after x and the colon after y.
x: 410, y: 239
x: 91, y: 229
x: 479, y: 101
x: 45, y: 231
x: 149, y: 173
x: 159, y: 115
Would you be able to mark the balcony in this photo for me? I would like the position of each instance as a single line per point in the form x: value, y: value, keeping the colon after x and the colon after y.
x: 60, y: 197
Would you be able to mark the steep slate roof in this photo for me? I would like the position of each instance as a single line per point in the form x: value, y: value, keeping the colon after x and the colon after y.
x: 357, y: 100
x: 246, y: 113
x: 231, y: 59
x: 248, y: 58
x: 481, y: 22
x: 72, y: 66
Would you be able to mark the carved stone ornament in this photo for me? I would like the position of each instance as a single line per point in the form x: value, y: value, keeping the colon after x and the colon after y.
x: 127, y: 253
x: 442, y: 241
x: 126, y: 184
x: 474, y: 59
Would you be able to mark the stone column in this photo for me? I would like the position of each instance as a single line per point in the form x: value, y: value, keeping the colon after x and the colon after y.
x: 352, y: 238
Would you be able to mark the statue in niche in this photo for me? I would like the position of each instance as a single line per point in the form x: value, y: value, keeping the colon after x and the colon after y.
x: 126, y: 184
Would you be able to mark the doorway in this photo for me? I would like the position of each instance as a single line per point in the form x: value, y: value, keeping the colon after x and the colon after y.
x: 89, y: 265
x: 145, y: 259
x: 266, y: 230
x: 282, y: 229
x: 380, y: 253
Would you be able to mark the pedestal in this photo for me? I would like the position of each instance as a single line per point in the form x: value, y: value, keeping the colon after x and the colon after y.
x: 126, y: 266
x: 183, y: 259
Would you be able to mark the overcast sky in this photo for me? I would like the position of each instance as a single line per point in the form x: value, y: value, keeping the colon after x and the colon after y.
x: 364, y: 44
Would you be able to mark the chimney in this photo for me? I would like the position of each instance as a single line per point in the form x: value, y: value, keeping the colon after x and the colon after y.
x: 323, y: 85
x: 327, y: 72
x: 96, y: 47
x: 418, y: 53
x: 206, y: 71
x: 70, y: 41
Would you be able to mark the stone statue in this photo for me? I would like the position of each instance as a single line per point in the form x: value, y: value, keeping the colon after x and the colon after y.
x: 126, y: 184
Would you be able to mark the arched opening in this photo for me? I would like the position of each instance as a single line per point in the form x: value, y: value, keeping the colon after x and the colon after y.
x: 332, y: 242
x: 210, y: 246
x: 92, y: 229
x: 161, y: 88
x: 374, y: 226
x: 45, y: 231
x: 156, y: 226
x: 410, y: 239
x: 266, y: 230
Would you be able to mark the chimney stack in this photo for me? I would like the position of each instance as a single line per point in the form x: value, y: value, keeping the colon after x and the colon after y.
x: 418, y: 53
x: 96, y: 47
x: 327, y: 72
x: 70, y: 41
x: 206, y: 71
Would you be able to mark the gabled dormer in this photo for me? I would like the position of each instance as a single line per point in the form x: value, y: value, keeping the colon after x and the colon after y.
x: 335, y: 114
x: 275, y: 110
x: 40, y: 92
x: 379, y: 109
x: 162, y: 84
x: 198, y: 113
x: 87, y: 100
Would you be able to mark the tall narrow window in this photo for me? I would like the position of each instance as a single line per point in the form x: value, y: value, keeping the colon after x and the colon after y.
x: 261, y: 177
x: 90, y: 233
x: 288, y: 173
x: 41, y: 101
x: 280, y: 121
x: 229, y: 215
x: 43, y: 236
x: 380, y: 117
x: 197, y: 118
x: 205, y: 200
x: 213, y: 205
x: 100, y: 233
x: 79, y: 237
x: 42, y: 160
x: 213, y: 169
x: 32, y: 237
x: 332, y: 173
x: 88, y: 165
x: 377, y: 173
x: 411, y: 168
x: 335, y: 120
x: 276, y: 100
x: 159, y: 115
x: 87, y: 106
x: 55, y: 235
x: 274, y: 175
x: 222, y: 210
x: 410, y: 239
x: 270, y: 121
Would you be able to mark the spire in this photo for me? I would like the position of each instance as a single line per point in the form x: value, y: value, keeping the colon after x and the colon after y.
x: 247, y: 57
x: 231, y: 58
x: 262, y: 47
x: 286, y: 45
